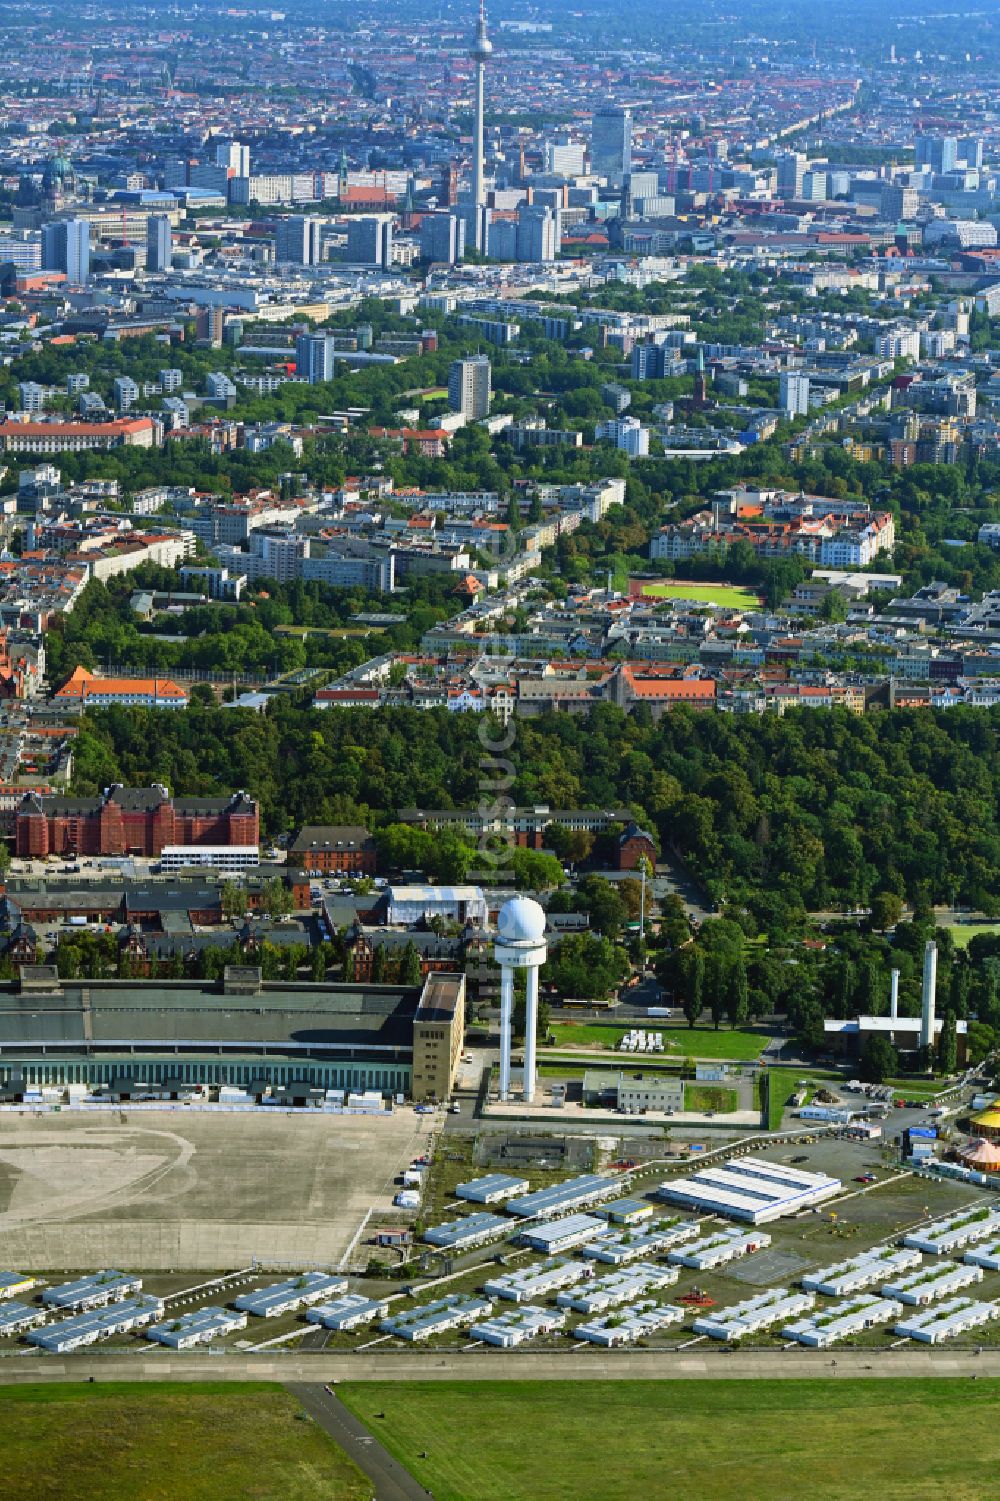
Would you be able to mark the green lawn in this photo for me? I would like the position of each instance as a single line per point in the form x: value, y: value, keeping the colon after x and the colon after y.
x: 691, y: 1441
x: 780, y: 1088
x: 688, y: 1042
x: 916, y: 1089
x: 710, y: 1097
x: 725, y: 596
x: 204, y: 1441
x: 962, y: 933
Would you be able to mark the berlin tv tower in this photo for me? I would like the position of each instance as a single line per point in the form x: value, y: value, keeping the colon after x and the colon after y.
x: 481, y: 49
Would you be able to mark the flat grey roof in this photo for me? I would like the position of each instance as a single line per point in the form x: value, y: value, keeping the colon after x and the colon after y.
x: 67, y: 1293
x: 308, y: 1285
x: 560, y: 1196
x: 466, y: 1231
x: 493, y: 1185
x: 303, y: 1015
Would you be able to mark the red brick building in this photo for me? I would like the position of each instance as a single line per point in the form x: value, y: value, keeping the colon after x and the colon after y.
x: 343, y: 848
x: 633, y: 844
x: 132, y: 821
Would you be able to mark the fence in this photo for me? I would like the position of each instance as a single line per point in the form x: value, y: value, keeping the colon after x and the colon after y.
x: 47, y: 1107
x: 193, y: 675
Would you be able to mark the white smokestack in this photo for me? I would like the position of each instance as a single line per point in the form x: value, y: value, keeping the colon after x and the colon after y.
x: 894, y: 995
x: 929, y: 996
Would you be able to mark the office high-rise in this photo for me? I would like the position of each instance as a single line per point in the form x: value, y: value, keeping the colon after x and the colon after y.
x: 208, y: 325
x: 793, y: 393
x: 970, y: 152
x: 815, y: 186
x: 159, y: 243
x: 235, y: 157
x: 940, y: 153
x: 791, y: 171
x: 538, y: 234
x: 369, y: 240
x: 66, y: 247
x: 298, y: 240
x: 563, y: 158
x: 611, y: 143
x: 442, y: 238
x: 314, y: 357
x: 470, y: 387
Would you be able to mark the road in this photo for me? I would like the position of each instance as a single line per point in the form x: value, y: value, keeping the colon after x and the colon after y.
x: 391, y: 1481
x: 705, y: 1363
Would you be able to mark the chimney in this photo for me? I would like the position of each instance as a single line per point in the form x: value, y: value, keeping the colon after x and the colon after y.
x: 929, y: 995
x: 894, y: 995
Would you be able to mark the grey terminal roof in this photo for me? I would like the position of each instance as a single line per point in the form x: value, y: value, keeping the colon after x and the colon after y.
x: 295, y: 1018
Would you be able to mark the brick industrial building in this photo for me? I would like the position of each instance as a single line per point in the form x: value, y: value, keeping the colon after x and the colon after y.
x: 132, y: 821
x: 346, y: 848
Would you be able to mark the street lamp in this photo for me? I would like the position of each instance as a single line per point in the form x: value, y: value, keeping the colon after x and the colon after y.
x: 644, y: 869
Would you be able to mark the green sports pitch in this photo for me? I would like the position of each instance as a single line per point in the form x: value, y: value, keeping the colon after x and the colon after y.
x: 962, y: 933
x: 722, y: 596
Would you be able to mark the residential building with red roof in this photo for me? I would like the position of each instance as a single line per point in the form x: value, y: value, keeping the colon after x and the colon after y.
x: 76, y: 437
x: 86, y: 690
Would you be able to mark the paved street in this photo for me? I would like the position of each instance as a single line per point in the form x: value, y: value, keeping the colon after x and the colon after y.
x: 391, y: 1481
x: 701, y: 1364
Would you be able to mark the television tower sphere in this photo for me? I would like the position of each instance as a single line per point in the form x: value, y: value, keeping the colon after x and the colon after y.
x: 482, y: 47
x: 521, y: 920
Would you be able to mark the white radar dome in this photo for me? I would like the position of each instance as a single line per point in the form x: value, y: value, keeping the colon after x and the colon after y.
x: 521, y: 920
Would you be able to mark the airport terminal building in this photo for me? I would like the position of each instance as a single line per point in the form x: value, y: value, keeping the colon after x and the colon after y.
x: 243, y: 1031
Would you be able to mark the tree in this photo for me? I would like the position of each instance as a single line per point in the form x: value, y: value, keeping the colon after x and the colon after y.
x: 275, y: 897
x: 572, y: 845
x: 692, y: 978
x: 409, y: 968
x: 378, y: 965
x: 233, y: 899
x: 534, y: 870
x: 716, y: 973
x: 948, y: 1045
x: 603, y: 904
x: 738, y: 998
x: 519, y: 1017
x: 886, y: 910
x: 879, y: 1060
x: 981, y: 1042
x: 585, y: 966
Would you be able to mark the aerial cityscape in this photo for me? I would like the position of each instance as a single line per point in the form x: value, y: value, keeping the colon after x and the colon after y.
x: 499, y: 752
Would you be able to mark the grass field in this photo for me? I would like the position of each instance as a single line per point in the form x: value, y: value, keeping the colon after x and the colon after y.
x: 710, y: 1097
x: 691, y: 1441
x: 962, y: 933
x: 780, y: 1089
x: 205, y: 1441
x: 916, y: 1089
x: 678, y: 1042
x: 725, y: 596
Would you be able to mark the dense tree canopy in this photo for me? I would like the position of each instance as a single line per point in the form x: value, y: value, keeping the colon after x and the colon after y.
x: 814, y: 810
